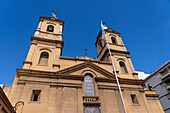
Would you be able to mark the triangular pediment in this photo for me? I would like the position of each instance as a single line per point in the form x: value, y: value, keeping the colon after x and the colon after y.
x: 78, y: 69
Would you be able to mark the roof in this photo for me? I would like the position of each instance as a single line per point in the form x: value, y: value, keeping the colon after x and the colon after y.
x: 6, y: 101
x: 158, y: 70
x: 106, y: 30
x: 52, y: 18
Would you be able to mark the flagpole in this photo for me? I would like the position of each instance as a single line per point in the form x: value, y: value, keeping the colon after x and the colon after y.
x: 114, y: 69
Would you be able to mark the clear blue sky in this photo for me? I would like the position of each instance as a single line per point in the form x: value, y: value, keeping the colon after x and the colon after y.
x: 143, y: 24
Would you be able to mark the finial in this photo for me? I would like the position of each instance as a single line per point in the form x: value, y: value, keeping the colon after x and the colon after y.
x: 85, y: 52
x: 54, y: 14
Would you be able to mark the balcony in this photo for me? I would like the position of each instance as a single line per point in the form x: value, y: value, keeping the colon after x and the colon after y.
x: 168, y: 87
x: 165, y: 74
x: 91, y: 101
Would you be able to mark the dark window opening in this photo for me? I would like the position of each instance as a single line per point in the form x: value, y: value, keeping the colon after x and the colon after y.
x: 100, y: 43
x: 113, y: 40
x: 123, y: 67
x: 44, y: 58
x: 168, y: 96
x: 134, y: 99
x: 50, y: 28
x: 35, y: 95
x: 35, y: 98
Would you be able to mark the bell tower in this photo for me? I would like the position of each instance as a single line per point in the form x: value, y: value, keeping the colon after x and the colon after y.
x: 46, y: 45
x: 120, y: 56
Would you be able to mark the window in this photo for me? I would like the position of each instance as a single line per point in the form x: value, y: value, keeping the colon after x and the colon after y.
x: 163, y: 84
x: 134, y: 99
x: 100, y: 43
x: 164, y: 72
x: 168, y: 96
x: 99, y: 46
x: 89, y: 86
x: 35, y: 95
x: 168, y: 83
x: 123, y: 67
x: 92, y: 110
x: 50, y: 28
x: 113, y: 40
x: 44, y: 58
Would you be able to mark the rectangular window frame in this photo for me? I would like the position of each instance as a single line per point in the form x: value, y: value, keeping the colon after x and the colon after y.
x: 35, y: 93
x: 168, y: 96
x: 134, y: 99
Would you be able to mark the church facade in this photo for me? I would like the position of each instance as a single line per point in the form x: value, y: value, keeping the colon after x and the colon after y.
x: 51, y: 83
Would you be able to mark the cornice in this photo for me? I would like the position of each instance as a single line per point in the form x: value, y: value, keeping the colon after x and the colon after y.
x: 152, y: 95
x: 49, y: 18
x: 122, y: 88
x: 57, y: 75
x: 56, y: 65
x: 84, y: 65
x: 47, y: 40
x: 77, y: 59
x: 47, y: 74
x: 52, y: 84
x: 121, y: 80
x: 6, y: 101
x: 27, y: 62
x: 113, y: 50
x: 107, y: 30
x: 51, y: 33
x: 158, y: 70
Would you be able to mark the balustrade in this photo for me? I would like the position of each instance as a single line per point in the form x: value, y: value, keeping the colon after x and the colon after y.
x: 91, y: 101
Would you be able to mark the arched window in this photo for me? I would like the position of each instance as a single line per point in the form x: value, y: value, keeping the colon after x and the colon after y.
x: 44, y: 58
x: 113, y: 40
x: 123, y: 67
x: 89, y: 87
x: 50, y: 28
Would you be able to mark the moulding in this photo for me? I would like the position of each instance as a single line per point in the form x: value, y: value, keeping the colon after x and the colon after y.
x: 27, y: 62
x: 56, y: 65
x: 49, y: 18
x: 152, y: 95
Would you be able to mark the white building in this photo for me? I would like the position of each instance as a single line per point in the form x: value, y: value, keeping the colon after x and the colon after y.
x: 160, y: 82
x: 142, y: 75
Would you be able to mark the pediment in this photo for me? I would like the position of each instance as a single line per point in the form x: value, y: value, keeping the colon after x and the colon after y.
x: 87, y: 67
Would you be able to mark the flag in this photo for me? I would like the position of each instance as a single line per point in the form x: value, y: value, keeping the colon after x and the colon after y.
x: 102, y: 29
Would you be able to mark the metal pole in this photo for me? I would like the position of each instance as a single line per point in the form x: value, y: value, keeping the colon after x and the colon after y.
x: 116, y: 78
x: 115, y: 72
